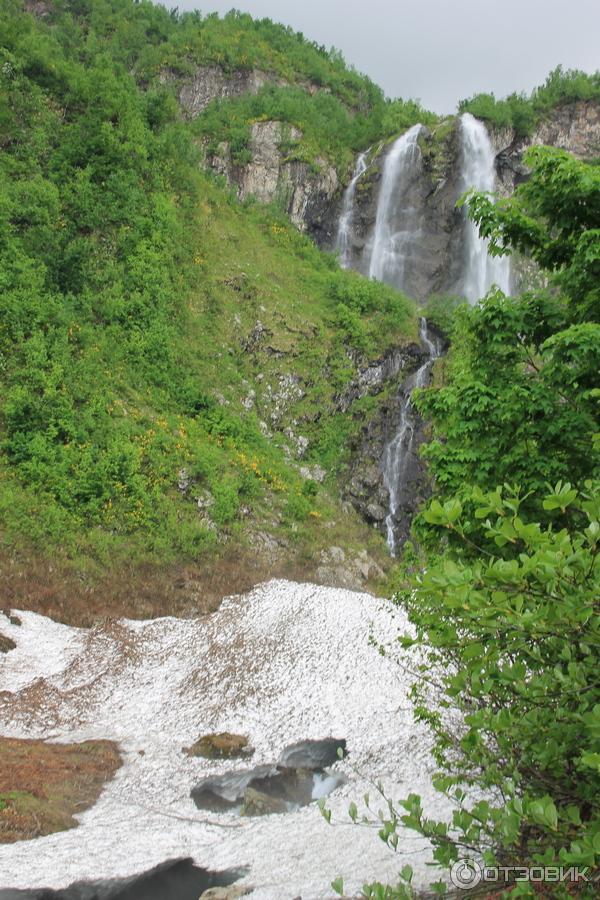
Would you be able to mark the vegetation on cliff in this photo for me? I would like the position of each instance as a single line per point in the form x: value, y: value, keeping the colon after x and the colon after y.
x: 504, y: 602
x: 523, y: 112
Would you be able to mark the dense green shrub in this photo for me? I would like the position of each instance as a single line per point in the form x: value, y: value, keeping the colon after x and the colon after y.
x: 505, y: 604
x: 522, y: 112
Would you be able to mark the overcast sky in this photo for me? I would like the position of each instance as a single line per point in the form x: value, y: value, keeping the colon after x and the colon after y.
x: 440, y: 51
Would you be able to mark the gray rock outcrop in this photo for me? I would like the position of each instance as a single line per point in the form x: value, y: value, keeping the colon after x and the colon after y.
x: 303, y: 190
x: 574, y: 127
x: 314, y: 755
x: 208, y: 83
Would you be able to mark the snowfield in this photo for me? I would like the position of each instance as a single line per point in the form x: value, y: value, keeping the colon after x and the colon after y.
x: 283, y: 663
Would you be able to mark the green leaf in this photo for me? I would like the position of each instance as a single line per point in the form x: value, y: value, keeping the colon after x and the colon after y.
x: 406, y: 874
x: 338, y: 886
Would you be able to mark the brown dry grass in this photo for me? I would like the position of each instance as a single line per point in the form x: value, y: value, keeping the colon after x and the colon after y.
x: 30, y: 581
x: 42, y: 786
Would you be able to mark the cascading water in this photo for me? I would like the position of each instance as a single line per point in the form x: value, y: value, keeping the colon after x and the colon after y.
x: 481, y: 269
x: 344, y: 234
x: 396, y: 224
x: 398, y: 452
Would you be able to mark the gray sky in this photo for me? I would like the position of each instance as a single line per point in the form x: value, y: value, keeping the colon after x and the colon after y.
x: 440, y: 51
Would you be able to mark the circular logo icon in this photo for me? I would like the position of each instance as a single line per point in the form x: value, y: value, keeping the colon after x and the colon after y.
x: 465, y: 874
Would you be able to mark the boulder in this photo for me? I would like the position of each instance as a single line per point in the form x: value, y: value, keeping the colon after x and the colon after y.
x: 6, y: 644
x: 222, y: 745
x: 226, y: 893
x: 221, y: 793
x: 264, y: 790
x: 312, y: 755
x: 258, y: 803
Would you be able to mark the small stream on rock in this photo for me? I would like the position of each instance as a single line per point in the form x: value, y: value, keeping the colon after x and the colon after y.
x: 402, y: 447
x: 346, y: 221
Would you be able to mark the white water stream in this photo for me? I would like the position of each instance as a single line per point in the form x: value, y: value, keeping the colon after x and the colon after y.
x: 481, y: 270
x: 283, y: 663
x: 398, y: 452
x: 344, y: 235
x: 391, y: 247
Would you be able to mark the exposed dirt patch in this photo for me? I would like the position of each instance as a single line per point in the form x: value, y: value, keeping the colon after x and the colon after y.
x: 31, y: 581
x: 42, y: 786
x: 6, y: 643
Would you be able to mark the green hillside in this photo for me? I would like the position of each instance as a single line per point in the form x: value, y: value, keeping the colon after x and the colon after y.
x: 166, y: 353
x: 160, y: 344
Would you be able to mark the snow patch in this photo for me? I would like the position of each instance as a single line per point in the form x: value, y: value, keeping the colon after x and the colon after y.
x: 284, y: 663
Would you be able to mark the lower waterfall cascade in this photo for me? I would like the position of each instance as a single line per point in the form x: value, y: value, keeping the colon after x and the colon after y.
x: 398, y: 451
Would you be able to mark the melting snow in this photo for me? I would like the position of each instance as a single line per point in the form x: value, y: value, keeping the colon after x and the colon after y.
x: 283, y: 663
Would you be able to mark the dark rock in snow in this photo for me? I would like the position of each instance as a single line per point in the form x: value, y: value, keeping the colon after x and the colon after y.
x: 177, y: 879
x: 296, y: 780
x: 312, y: 755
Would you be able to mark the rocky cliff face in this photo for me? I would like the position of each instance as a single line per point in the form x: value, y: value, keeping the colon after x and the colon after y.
x: 311, y: 194
x: 365, y: 486
x: 304, y: 191
x: 208, y: 83
x: 574, y: 127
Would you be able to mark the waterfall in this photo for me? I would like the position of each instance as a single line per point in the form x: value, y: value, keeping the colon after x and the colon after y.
x: 478, y: 171
x: 391, y: 245
x: 398, y: 452
x: 344, y: 234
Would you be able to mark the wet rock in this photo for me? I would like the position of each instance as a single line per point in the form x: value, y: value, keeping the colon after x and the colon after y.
x: 298, y: 778
x: 6, y: 644
x: 365, y: 488
x: 313, y: 755
x: 173, y: 880
x: 226, y: 893
x: 258, y: 803
x: 220, y: 746
x: 221, y: 793
x: 374, y: 377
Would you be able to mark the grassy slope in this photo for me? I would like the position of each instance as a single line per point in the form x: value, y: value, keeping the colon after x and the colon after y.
x: 131, y: 288
x: 253, y: 267
x: 43, y: 786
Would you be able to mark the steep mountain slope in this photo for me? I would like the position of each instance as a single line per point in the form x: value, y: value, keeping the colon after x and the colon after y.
x: 171, y: 360
x: 183, y: 375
